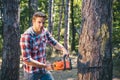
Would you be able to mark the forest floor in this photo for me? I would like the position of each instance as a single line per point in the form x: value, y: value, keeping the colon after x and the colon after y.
x: 70, y: 74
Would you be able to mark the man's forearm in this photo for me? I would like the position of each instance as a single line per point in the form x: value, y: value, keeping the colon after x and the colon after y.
x: 35, y: 63
x: 58, y: 46
x: 61, y: 48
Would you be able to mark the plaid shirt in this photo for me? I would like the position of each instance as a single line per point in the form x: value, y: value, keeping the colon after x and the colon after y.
x: 33, y: 46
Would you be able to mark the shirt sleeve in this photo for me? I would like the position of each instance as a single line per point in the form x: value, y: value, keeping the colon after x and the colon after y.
x: 25, y: 47
x: 50, y: 39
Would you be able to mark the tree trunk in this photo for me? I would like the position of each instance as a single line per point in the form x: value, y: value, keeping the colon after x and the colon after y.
x: 11, y: 35
x: 73, y: 27
x: 1, y: 22
x: 95, y: 51
x: 33, y: 7
x: 50, y: 16
x: 66, y: 35
x: 60, y: 20
x: 1, y: 9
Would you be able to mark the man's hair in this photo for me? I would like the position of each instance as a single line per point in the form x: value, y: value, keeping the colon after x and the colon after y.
x: 38, y: 14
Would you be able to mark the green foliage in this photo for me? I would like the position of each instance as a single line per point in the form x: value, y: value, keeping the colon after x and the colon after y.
x: 116, y: 37
x: 77, y: 3
x: 116, y: 65
x: 24, y: 15
x: 116, y: 28
x: 77, y: 21
x: 43, y: 6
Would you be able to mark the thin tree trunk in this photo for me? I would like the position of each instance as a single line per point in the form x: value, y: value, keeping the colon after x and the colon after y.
x: 66, y: 35
x: 1, y: 16
x: 95, y: 51
x: 50, y: 16
x: 73, y: 27
x: 1, y: 11
x: 33, y: 7
x: 11, y: 35
x: 60, y: 21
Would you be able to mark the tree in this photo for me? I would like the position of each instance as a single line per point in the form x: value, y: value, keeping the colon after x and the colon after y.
x: 50, y: 19
x: 1, y: 27
x: 11, y: 34
x: 95, y: 51
x: 33, y: 7
x: 66, y: 35
x: 61, y: 8
x: 73, y: 27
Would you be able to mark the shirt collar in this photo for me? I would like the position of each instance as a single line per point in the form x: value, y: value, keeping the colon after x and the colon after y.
x: 35, y: 34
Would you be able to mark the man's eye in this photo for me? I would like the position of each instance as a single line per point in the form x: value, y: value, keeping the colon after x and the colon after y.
x: 41, y: 22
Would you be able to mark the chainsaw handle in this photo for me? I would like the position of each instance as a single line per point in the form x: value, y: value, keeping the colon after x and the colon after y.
x: 66, y: 55
x: 64, y: 60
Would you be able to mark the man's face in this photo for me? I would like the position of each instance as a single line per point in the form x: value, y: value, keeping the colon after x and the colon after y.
x: 38, y: 24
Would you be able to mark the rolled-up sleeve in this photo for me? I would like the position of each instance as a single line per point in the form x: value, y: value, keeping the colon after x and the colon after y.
x: 25, y: 47
x: 50, y: 39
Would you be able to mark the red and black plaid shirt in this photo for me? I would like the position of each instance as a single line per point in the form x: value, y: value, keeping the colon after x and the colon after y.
x: 33, y: 46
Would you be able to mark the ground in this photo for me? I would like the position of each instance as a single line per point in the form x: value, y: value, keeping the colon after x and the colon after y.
x: 71, y: 74
x: 61, y: 75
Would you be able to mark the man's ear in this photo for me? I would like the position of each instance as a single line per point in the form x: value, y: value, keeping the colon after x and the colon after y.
x: 33, y: 21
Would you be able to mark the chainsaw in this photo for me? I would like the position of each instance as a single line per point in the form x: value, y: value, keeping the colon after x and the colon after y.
x: 63, y: 64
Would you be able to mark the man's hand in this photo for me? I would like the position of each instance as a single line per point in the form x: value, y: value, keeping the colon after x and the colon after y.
x: 65, y: 52
x: 49, y: 67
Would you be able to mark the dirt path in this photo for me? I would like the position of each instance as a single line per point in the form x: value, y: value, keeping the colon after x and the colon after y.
x: 65, y: 75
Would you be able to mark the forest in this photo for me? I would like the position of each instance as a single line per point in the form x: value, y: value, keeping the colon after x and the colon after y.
x: 89, y: 30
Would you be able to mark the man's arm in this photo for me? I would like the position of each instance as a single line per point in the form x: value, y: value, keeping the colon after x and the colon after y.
x: 60, y: 47
x: 35, y: 63
x: 56, y: 44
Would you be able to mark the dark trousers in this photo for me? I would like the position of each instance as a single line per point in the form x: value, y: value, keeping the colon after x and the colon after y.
x: 38, y: 76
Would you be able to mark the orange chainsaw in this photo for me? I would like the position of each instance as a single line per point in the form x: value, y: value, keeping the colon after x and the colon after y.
x: 63, y: 64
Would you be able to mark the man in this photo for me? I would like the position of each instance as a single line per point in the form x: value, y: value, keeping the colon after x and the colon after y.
x: 33, y: 43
